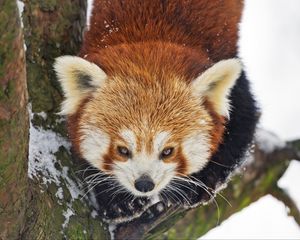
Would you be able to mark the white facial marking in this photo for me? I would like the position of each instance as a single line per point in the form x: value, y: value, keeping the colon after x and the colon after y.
x: 159, y: 140
x: 144, y: 163
x: 160, y: 173
x: 203, y: 122
x: 129, y: 137
x: 94, y: 144
x: 196, y: 149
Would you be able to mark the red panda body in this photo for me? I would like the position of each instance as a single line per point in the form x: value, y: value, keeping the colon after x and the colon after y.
x: 157, y: 95
x: 188, y: 36
x: 208, y: 27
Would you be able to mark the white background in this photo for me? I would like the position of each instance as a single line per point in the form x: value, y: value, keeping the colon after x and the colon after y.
x: 270, y: 48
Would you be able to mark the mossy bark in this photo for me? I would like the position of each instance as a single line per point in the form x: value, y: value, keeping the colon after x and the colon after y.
x: 53, y: 28
x: 13, y: 123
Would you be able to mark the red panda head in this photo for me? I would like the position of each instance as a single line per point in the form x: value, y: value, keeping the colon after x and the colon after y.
x: 145, y: 132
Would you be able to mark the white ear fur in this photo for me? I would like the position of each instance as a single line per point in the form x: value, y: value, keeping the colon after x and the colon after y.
x: 78, y: 78
x: 216, y: 83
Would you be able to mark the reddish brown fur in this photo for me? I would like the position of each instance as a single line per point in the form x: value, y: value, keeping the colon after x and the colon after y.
x: 218, y: 123
x: 108, y: 158
x: 182, y: 163
x: 203, y: 25
x: 73, y: 127
x: 146, y: 41
x: 187, y: 35
x: 131, y: 105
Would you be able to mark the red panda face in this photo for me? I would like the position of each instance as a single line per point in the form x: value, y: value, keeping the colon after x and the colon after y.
x: 145, y: 132
x: 153, y: 133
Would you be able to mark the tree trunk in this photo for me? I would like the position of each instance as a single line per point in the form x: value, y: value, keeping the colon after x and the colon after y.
x: 13, y: 123
x: 53, y: 28
x: 42, y: 198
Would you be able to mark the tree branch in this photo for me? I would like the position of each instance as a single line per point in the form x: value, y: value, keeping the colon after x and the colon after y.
x: 295, y: 145
x: 284, y: 197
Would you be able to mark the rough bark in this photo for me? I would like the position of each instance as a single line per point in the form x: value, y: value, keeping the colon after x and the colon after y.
x: 13, y: 123
x: 53, y: 28
x: 35, y: 208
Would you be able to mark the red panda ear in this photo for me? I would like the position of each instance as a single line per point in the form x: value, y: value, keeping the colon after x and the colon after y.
x: 78, y: 79
x: 216, y: 82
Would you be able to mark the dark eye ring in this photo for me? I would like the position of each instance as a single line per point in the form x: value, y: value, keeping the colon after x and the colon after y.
x: 166, y: 152
x: 124, y: 151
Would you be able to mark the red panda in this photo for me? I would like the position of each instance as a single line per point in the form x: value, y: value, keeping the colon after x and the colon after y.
x: 158, y: 94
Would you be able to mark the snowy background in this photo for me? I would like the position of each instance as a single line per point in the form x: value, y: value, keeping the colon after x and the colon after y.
x: 270, y: 49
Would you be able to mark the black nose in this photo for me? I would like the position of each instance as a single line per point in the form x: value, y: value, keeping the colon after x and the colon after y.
x: 144, y: 183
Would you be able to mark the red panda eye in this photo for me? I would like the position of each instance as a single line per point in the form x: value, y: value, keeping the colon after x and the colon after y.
x: 124, y: 151
x: 166, y: 152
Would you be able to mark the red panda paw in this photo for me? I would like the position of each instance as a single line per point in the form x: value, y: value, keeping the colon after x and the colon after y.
x: 118, y: 211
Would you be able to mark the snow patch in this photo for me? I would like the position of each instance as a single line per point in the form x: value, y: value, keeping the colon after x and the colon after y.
x: 72, y: 186
x: 43, y: 144
x: 94, y: 214
x: 42, y: 114
x: 43, y: 164
x: 59, y: 194
x: 67, y: 214
x: 111, y: 229
x: 20, y: 10
x: 89, y: 12
x: 93, y: 200
x: 268, y: 141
